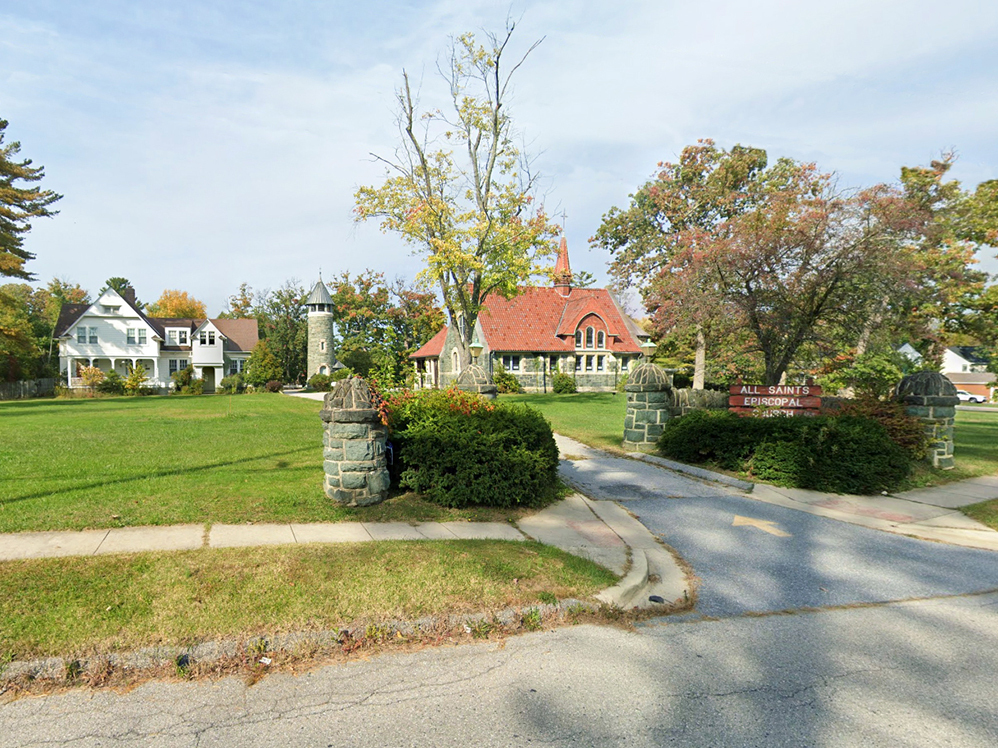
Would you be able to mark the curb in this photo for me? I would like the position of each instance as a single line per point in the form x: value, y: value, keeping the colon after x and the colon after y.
x: 632, y: 583
x: 696, y: 472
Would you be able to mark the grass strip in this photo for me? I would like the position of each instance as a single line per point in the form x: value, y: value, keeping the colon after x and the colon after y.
x: 120, y: 462
x: 92, y: 605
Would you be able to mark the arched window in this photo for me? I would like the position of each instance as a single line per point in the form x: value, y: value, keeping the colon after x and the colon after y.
x: 590, y: 333
x: 323, y: 369
x: 578, y: 338
x: 455, y: 363
x: 601, y: 339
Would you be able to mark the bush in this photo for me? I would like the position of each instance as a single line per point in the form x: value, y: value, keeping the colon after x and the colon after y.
x: 136, y: 380
x: 182, y: 378
x: 458, y: 449
x: 622, y: 382
x: 906, y: 431
x: 505, y: 382
x: 320, y: 382
x: 112, y: 384
x: 232, y: 384
x: 273, y: 386
x: 841, y: 453
x: 345, y: 373
x: 563, y: 384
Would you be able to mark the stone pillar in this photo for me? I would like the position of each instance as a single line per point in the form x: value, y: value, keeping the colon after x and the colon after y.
x: 353, y: 442
x: 476, y: 379
x: 931, y: 398
x: 649, y: 403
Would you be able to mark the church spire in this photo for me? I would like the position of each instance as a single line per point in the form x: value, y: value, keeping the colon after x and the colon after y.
x: 562, y: 269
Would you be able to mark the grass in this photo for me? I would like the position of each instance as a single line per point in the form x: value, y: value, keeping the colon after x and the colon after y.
x: 96, y: 605
x: 593, y: 418
x: 116, y: 462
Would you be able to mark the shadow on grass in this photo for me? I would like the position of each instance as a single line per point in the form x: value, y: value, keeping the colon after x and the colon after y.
x: 155, y: 474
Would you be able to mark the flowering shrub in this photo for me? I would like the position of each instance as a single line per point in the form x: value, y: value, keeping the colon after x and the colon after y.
x: 459, y: 449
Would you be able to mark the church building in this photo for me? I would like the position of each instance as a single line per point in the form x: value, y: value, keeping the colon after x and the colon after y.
x: 582, y: 332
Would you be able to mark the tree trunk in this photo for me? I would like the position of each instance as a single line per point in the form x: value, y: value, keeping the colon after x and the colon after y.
x: 700, y: 361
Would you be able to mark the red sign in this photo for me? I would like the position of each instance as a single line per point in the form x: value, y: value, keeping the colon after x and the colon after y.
x: 790, y: 390
x: 774, y: 399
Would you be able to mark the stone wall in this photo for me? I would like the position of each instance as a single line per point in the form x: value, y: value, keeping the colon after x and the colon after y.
x: 649, y: 406
x: 931, y: 398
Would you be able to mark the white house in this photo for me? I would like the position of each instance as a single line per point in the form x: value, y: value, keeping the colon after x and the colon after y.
x: 113, y: 335
x: 967, y: 368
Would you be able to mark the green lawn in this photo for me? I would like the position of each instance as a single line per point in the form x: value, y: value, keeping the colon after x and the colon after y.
x: 593, y: 418
x: 114, y: 462
x: 77, y: 606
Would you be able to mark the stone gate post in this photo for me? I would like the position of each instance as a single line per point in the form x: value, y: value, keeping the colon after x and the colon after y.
x: 931, y: 398
x: 353, y: 444
x: 649, y: 403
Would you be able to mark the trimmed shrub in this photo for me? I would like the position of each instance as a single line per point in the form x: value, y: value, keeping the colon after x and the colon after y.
x: 344, y: 373
x: 273, y: 386
x: 906, y: 431
x: 841, y: 453
x: 320, y: 382
x: 505, y: 382
x: 113, y: 384
x: 232, y: 384
x: 458, y: 449
x: 563, y: 384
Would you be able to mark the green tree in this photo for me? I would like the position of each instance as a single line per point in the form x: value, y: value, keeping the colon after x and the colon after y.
x: 136, y: 379
x: 124, y: 287
x: 19, y: 348
x: 459, y: 190
x: 18, y: 205
x: 283, y: 321
x: 262, y: 366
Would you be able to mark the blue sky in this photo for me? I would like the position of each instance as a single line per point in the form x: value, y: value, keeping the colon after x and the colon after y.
x: 204, y: 144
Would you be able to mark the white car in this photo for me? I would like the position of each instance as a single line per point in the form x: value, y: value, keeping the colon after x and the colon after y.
x: 966, y: 397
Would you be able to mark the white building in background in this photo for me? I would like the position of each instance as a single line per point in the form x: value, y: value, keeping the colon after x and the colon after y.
x: 113, y: 335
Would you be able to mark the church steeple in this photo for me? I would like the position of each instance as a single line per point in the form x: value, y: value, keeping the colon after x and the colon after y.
x: 562, y: 269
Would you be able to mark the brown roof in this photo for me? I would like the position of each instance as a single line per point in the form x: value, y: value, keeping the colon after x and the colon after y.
x: 241, y: 334
x: 67, y: 316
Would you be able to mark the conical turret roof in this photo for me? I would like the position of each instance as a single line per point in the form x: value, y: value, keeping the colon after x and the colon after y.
x: 319, y: 295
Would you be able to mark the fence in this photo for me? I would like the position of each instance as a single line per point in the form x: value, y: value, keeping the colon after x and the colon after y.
x: 28, y: 388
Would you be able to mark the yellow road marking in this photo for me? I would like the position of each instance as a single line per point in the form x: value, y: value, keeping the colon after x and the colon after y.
x: 761, y: 524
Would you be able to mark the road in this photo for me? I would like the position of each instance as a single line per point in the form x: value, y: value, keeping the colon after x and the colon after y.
x: 916, y: 674
x: 858, y: 671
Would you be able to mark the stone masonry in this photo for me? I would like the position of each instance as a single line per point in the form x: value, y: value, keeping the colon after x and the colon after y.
x: 931, y: 398
x: 649, y: 406
x: 353, y: 443
x: 476, y: 379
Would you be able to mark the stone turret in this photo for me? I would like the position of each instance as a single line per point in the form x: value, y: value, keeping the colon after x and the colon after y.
x: 649, y: 402
x: 321, y: 328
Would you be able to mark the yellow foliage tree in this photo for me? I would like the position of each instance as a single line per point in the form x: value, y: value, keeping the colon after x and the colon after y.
x: 180, y: 304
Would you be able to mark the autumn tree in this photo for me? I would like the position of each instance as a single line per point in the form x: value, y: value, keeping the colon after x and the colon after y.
x: 459, y: 190
x: 686, y: 205
x: 177, y: 304
x: 240, y: 303
x: 18, y: 206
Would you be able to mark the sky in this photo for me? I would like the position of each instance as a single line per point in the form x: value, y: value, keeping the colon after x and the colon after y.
x: 201, y: 145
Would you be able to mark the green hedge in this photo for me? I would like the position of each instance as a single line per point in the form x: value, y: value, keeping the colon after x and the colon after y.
x: 841, y: 453
x: 458, y: 450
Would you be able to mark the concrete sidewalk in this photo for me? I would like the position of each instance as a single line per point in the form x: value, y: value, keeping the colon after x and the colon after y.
x: 603, y: 533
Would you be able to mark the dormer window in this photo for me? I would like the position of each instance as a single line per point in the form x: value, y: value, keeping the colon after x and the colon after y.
x: 183, y: 337
x: 171, y: 336
x: 207, y: 337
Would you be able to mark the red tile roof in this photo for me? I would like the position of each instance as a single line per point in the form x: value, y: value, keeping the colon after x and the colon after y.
x: 544, y: 320
x: 434, y: 347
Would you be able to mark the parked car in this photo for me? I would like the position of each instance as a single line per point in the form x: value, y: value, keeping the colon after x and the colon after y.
x: 967, y: 397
